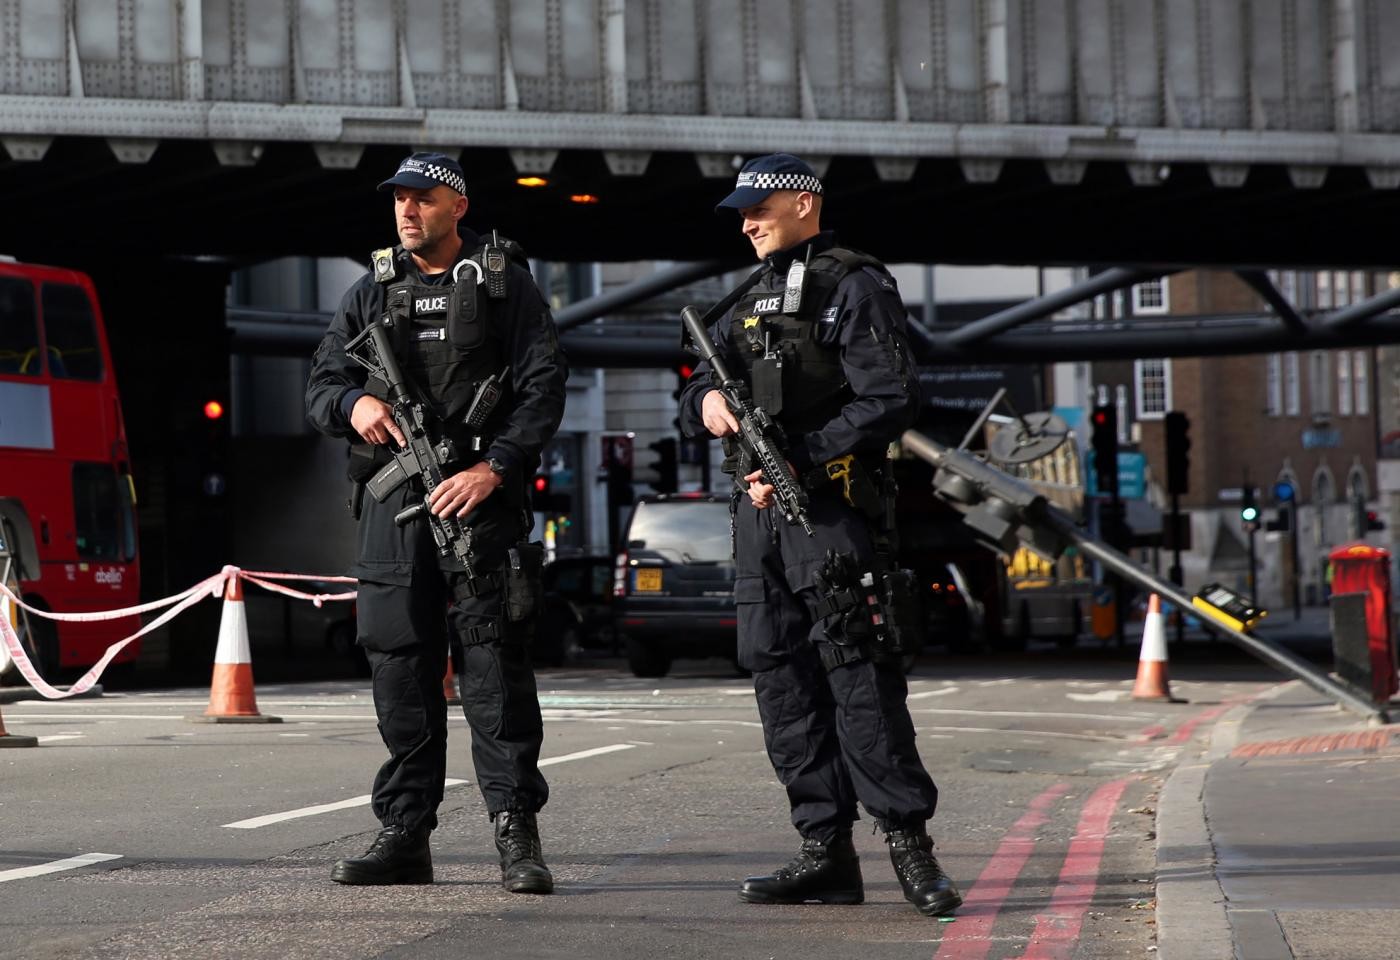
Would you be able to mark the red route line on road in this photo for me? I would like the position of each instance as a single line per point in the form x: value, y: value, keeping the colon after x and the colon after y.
x: 1057, y: 930
x: 972, y: 937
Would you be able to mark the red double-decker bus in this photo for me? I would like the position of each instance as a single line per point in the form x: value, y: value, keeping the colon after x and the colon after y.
x: 67, y: 501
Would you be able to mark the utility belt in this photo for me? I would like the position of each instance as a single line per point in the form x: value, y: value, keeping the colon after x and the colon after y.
x: 866, y: 615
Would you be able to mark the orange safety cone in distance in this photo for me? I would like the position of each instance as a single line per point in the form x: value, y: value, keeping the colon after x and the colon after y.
x: 1151, y: 681
x: 231, y: 698
x: 449, y: 684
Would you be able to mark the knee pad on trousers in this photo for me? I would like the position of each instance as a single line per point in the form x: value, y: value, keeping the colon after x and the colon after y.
x: 403, y: 713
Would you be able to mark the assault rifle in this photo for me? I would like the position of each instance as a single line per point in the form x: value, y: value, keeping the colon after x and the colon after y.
x: 423, y: 456
x: 759, y: 435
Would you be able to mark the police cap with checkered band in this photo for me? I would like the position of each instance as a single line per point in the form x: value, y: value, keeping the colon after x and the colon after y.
x: 761, y: 176
x: 423, y: 171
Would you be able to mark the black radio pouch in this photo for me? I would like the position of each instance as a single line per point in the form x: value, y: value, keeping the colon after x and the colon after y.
x: 466, y: 327
x: 524, y: 585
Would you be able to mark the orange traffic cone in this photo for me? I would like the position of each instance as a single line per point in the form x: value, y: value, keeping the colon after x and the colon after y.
x: 449, y: 684
x: 14, y: 739
x: 1152, y: 661
x: 231, y: 697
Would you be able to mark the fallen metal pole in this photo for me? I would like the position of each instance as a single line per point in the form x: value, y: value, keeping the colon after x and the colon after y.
x: 1047, y: 515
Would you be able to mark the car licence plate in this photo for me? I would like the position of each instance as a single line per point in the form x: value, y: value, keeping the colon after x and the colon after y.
x: 648, y: 580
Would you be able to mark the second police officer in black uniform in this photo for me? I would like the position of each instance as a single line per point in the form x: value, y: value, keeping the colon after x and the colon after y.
x: 475, y: 342
x: 818, y: 333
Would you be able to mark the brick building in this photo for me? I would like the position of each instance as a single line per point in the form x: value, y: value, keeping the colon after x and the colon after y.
x: 1308, y: 418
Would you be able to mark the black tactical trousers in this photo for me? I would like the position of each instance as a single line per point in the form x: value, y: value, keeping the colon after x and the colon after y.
x: 496, y: 683
x: 833, y: 737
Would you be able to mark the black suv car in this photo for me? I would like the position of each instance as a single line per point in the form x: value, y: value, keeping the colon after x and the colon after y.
x: 673, y: 586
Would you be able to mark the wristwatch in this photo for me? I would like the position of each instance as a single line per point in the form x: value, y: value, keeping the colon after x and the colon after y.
x: 497, y: 467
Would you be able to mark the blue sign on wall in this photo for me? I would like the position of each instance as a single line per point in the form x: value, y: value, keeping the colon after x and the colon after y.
x: 1132, y: 476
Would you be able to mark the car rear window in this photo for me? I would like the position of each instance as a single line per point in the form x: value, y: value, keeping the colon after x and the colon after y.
x: 695, y: 531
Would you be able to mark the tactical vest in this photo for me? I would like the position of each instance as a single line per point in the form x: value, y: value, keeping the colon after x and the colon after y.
x: 794, y: 377
x: 442, y: 331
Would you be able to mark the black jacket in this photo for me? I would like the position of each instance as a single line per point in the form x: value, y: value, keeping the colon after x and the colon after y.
x: 534, y: 406
x: 869, y: 330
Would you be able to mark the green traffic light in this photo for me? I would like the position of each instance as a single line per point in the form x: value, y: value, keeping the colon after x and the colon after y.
x: 1249, y: 513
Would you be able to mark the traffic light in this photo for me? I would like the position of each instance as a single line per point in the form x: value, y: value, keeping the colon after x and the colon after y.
x: 1249, y: 511
x: 1178, y: 455
x: 665, y: 466
x: 1283, y: 520
x: 1373, y: 521
x: 539, y: 492
x: 1105, y: 446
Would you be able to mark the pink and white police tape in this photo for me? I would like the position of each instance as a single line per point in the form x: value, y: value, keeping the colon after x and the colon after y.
x: 209, y: 587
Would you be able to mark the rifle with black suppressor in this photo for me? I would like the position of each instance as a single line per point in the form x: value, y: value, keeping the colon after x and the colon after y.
x: 759, y: 435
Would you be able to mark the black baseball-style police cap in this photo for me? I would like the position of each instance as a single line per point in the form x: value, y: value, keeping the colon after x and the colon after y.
x: 763, y: 175
x: 423, y: 171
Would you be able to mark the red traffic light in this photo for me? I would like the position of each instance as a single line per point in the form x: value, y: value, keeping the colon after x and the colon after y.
x: 541, y: 483
x: 213, y: 410
x: 1100, y: 418
x: 685, y: 370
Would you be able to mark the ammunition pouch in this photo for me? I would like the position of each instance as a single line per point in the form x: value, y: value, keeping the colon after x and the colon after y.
x: 524, y: 586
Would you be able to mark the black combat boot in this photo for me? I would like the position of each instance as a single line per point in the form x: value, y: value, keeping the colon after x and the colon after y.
x: 522, y: 862
x: 396, y: 856
x: 827, y: 872
x: 925, y: 884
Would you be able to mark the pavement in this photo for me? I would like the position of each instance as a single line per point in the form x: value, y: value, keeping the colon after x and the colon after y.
x: 1279, y: 838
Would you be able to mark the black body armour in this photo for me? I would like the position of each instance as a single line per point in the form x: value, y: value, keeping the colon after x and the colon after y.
x: 794, y: 376
x: 442, y: 336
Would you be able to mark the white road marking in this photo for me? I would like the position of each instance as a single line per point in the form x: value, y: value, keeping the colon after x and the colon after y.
x: 932, y: 693
x: 584, y: 754
x: 1118, y: 717
x: 1102, y: 696
x: 57, y: 866
x: 253, y: 823
x: 60, y: 736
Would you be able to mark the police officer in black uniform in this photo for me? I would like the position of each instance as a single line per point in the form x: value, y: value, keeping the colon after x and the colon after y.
x: 467, y: 324
x: 818, y: 333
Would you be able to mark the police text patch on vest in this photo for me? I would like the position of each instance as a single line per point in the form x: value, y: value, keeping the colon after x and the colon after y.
x: 766, y: 305
x: 433, y: 304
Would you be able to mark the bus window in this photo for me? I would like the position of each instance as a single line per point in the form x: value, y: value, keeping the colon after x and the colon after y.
x: 19, y: 331
x: 71, y: 333
x: 101, y: 512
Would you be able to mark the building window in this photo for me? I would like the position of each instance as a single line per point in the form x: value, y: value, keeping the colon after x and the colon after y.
x: 1292, y: 394
x: 1153, y: 385
x: 1324, y: 290
x: 1361, y: 380
x: 1150, y: 297
x: 1320, y: 383
x: 1273, y: 385
x: 1341, y: 290
x: 1120, y: 403
x: 1358, y: 286
x: 1343, y: 383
